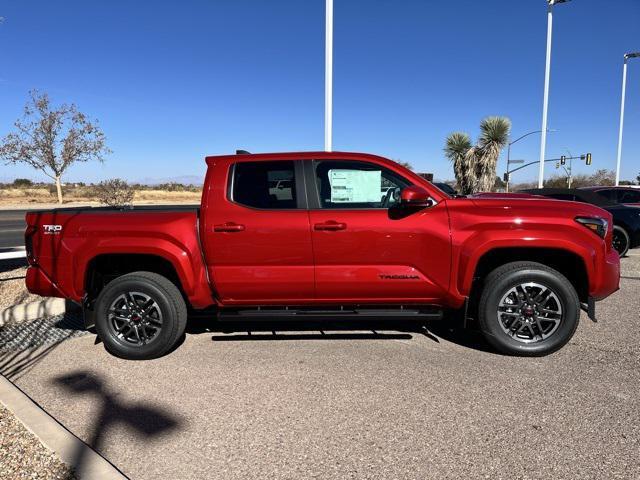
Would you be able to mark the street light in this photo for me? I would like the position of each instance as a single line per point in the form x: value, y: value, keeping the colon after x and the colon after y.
x: 545, y: 101
x: 328, y: 76
x: 515, y: 141
x: 624, y: 91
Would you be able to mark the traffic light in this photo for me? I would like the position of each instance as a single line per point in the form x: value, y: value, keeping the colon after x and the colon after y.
x: 588, y: 159
x: 506, y: 177
x: 563, y: 160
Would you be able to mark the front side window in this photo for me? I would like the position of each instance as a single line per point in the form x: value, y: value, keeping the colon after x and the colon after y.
x: 266, y: 185
x: 357, y: 185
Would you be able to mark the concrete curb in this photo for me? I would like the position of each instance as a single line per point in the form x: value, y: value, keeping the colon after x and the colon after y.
x: 32, y: 310
x: 56, y: 437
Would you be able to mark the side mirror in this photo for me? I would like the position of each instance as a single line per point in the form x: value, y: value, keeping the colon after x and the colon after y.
x: 415, y: 196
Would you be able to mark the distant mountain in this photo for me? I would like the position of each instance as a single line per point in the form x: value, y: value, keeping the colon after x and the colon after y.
x: 183, y: 179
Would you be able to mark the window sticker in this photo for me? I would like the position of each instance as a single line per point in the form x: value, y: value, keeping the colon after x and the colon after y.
x: 355, y: 186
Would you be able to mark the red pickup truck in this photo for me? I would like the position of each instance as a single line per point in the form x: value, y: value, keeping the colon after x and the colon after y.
x: 326, y: 234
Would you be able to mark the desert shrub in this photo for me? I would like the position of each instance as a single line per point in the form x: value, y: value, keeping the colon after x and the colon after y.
x: 22, y: 182
x: 115, y: 193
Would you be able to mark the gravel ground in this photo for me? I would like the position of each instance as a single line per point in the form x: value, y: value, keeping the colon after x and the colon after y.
x: 390, y: 403
x: 13, y: 292
x: 22, y: 456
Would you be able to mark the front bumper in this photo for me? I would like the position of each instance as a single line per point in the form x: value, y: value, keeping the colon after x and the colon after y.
x: 607, y: 277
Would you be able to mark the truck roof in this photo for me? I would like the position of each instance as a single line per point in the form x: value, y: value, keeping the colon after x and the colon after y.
x: 320, y: 155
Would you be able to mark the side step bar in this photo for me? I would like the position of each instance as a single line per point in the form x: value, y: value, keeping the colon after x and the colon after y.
x: 427, y: 313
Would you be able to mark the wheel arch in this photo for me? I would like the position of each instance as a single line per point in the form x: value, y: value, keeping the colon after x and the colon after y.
x: 568, y: 263
x: 105, y: 267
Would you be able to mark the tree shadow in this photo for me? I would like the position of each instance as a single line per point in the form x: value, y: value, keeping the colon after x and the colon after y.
x: 143, y: 421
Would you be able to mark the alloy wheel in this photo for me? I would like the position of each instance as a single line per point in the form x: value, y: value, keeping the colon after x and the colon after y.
x: 530, y: 312
x: 135, y: 318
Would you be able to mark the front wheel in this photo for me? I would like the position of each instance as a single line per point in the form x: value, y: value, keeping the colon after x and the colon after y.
x: 140, y: 315
x: 528, y: 309
x: 621, y: 240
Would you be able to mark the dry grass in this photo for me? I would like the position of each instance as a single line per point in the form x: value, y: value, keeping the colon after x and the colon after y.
x: 32, y: 197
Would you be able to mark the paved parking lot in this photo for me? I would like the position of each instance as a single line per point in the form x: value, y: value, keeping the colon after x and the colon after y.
x: 383, y: 403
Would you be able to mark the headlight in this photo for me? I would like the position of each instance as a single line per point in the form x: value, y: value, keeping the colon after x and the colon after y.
x: 595, y: 224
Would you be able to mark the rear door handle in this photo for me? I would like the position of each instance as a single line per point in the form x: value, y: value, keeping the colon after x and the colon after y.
x: 331, y: 225
x: 228, y: 227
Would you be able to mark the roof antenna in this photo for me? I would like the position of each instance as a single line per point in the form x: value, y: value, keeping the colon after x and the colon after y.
x: 242, y: 152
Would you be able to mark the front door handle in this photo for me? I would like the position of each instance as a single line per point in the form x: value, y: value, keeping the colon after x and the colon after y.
x: 331, y: 225
x: 228, y: 227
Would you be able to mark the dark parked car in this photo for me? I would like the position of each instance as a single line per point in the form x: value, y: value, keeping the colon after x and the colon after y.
x: 446, y: 188
x: 626, y: 195
x: 626, y: 220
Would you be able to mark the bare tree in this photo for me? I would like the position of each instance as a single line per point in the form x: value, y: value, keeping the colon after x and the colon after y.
x: 406, y: 165
x: 115, y: 193
x: 51, y: 140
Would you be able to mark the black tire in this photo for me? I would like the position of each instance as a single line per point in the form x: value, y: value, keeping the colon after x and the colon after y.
x: 621, y: 240
x: 529, y: 278
x: 166, y: 321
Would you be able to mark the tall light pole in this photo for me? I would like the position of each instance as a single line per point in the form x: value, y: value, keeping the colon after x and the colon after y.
x: 624, y: 92
x: 328, y: 76
x: 545, y: 101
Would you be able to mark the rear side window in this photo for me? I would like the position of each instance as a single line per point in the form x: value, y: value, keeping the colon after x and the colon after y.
x: 266, y: 185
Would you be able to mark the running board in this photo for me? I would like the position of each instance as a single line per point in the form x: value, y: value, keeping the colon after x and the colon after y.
x: 426, y: 313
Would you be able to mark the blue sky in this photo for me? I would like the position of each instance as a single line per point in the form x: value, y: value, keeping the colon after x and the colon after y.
x: 172, y: 82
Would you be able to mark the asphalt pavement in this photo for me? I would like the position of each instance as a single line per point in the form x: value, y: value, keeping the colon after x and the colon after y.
x: 337, y: 401
x: 12, y: 227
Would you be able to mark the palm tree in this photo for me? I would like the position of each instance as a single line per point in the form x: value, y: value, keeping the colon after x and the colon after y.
x: 475, y: 165
x: 456, y: 148
x: 494, y: 135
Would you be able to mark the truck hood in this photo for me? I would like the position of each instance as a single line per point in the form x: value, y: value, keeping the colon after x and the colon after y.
x: 526, y: 205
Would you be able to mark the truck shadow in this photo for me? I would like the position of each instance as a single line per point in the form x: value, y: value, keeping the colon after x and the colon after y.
x: 332, y: 328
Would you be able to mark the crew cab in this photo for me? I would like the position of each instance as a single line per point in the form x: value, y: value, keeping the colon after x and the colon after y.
x: 326, y: 234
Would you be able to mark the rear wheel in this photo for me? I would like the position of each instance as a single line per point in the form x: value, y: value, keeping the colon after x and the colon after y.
x: 527, y: 308
x: 621, y: 240
x: 139, y: 316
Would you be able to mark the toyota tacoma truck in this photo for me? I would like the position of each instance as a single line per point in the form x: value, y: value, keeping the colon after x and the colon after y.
x: 326, y: 234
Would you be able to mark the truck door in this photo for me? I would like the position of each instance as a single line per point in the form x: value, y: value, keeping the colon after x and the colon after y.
x: 367, y: 248
x: 256, y: 234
